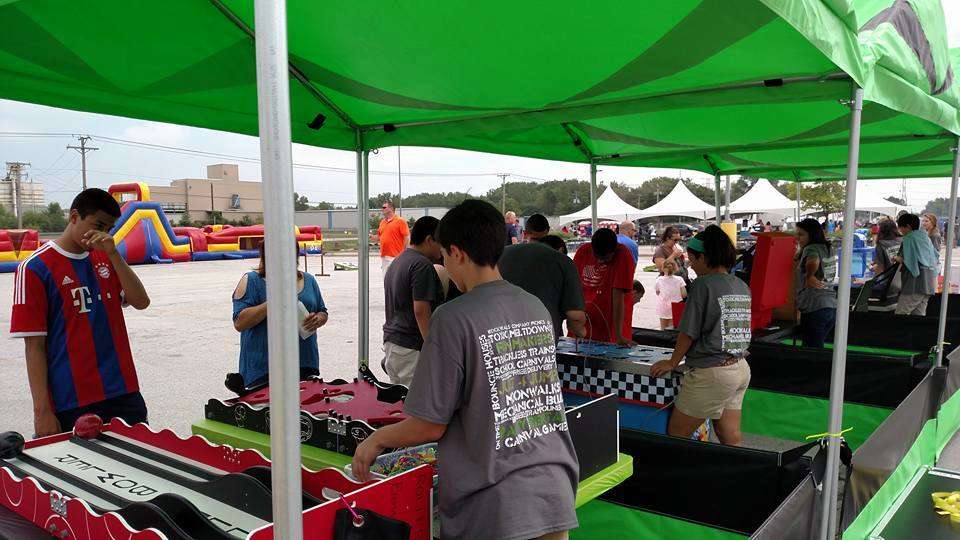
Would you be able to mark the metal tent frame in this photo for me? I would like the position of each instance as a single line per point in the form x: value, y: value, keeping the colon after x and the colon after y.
x: 273, y: 71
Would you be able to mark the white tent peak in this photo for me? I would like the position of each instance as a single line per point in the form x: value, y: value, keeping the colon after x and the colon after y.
x: 868, y: 200
x: 609, y: 206
x: 763, y: 198
x: 680, y: 202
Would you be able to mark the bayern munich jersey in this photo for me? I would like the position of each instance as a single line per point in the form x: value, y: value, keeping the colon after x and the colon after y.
x: 76, y: 301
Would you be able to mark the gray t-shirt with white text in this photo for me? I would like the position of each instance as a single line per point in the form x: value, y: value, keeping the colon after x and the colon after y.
x: 487, y: 371
x: 717, y: 317
x: 810, y: 299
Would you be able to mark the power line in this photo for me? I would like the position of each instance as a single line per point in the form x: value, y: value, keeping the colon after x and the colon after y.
x: 246, y: 159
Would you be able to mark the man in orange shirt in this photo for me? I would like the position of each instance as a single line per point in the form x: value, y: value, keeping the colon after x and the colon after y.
x: 393, y: 233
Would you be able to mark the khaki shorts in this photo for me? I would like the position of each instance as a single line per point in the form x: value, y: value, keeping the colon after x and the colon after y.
x: 399, y: 363
x: 707, y: 392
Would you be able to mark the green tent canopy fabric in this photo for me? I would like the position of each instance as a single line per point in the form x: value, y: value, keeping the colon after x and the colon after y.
x: 730, y: 86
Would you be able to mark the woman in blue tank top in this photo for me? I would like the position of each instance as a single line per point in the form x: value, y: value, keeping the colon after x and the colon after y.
x: 250, y: 319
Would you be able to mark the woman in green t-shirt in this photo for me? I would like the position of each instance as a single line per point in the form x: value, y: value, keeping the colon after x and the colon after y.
x: 816, y: 268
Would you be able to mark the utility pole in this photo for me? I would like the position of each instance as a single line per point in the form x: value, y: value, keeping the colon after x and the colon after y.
x: 503, y: 192
x: 15, y: 176
x: 83, y: 149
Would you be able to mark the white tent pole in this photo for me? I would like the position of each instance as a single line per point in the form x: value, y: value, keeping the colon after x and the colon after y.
x: 276, y: 169
x: 727, y: 197
x: 948, y: 261
x: 831, y: 475
x: 716, y: 197
x: 799, y: 183
x: 363, y: 253
x: 593, y: 197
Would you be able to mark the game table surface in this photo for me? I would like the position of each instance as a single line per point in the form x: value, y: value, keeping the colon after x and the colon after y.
x: 135, y: 472
x: 316, y: 458
x: 912, y: 515
x: 637, y: 353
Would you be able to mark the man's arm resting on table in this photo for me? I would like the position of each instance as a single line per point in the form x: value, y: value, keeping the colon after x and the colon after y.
x: 133, y: 291
x: 409, y: 432
x: 422, y: 311
x: 44, y: 420
x: 577, y: 322
x: 618, y: 315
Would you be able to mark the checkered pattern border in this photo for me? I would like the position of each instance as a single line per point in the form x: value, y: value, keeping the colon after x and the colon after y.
x: 629, y: 386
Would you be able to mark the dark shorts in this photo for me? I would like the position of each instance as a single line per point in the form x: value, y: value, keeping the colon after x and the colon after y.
x: 129, y: 407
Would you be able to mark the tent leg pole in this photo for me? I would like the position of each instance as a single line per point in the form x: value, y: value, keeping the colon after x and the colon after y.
x: 276, y: 167
x: 948, y: 260
x: 716, y: 197
x: 799, y: 183
x: 363, y: 255
x: 828, y: 523
x: 727, y: 197
x: 593, y: 197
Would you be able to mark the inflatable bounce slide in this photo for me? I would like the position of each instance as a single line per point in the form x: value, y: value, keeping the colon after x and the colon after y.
x: 15, y: 246
x: 143, y: 234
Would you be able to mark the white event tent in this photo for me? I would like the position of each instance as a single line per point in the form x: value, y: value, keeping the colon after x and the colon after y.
x: 680, y: 202
x: 609, y: 206
x: 763, y: 198
x: 870, y: 200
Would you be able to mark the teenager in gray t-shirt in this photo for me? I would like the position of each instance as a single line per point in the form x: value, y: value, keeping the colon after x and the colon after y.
x: 815, y: 271
x: 486, y: 387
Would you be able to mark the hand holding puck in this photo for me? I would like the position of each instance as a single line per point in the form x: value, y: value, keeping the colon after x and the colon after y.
x: 88, y: 426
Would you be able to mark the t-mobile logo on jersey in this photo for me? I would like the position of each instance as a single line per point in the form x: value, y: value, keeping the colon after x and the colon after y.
x: 82, y: 298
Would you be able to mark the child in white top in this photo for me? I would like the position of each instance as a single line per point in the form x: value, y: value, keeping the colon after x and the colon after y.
x: 670, y: 288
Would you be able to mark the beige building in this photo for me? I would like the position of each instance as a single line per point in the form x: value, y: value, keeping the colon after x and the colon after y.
x: 31, y: 195
x: 221, y: 191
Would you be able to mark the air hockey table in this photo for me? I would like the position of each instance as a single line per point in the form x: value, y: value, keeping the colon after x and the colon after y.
x: 913, y: 515
x: 338, y: 415
x: 335, y: 416
x: 589, y: 369
x: 133, y: 482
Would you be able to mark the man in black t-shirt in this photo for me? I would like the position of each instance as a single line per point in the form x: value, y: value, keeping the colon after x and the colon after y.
x: 412, y: 290
x: 547, y: 274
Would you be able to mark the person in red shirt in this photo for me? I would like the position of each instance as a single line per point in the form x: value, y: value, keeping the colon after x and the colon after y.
x: 606, y: 274
x: 67, y: 306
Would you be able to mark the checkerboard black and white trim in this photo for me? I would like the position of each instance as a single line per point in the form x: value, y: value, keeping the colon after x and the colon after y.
x: 629, y: 386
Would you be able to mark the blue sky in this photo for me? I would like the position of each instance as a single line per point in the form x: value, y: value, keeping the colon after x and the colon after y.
x: 59, y: 169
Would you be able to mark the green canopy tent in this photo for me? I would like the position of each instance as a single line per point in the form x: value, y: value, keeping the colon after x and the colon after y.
x: 711, y: 85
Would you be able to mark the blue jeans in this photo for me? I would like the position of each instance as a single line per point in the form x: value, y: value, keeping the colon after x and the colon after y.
x: 815, y: 325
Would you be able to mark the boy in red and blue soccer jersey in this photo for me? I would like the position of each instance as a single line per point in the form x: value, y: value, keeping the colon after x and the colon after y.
x: 67, y: 306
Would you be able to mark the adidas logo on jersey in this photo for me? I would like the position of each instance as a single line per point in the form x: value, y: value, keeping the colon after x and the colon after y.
x: 66, y: 281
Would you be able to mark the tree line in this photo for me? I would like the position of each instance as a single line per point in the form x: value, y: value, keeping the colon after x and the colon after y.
x: 566, y: 196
